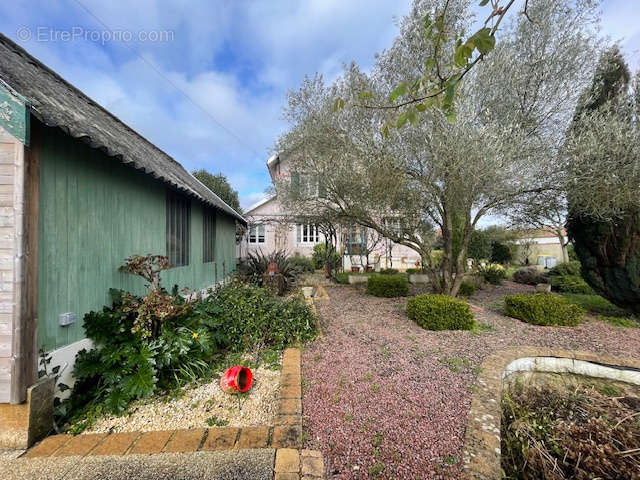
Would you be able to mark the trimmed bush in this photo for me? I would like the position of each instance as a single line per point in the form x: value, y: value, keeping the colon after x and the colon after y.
x: 467, y: 289
x: 570, y: 284
x: 440, y: 312
x: 543, y: 309
x: 529, y: 276
x: 388, y: 286
x: 565, y: 268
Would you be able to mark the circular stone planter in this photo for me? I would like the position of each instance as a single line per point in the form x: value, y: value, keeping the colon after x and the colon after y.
x: 481, y: 454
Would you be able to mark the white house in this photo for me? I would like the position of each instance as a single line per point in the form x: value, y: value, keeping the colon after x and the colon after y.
x: 270, y: 229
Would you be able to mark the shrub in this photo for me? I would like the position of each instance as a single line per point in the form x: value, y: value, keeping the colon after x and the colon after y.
x: 565, y: 268
x: 388, y: 286
x: 440, y: 312
x: 501, y: 253
x: 493, y: 273
x: 341, y: 278
x: 389, y: 271
x: 302, y: 263
x: 479, y: 245
x: 126, y: 364
x: 242, y: 316
x: 570, y: 284
x: 596, y: 304
x: 321, y: 255
x: 416, y: 270
x: 529, y: 276
x: 543, y: 309
x: 467, y: 288
x: 258, y: 262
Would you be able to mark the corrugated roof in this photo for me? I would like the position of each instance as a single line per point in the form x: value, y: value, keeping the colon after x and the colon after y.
x: 57, y: 103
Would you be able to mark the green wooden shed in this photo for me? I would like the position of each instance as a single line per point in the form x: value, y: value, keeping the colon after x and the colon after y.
x: 79, y: 192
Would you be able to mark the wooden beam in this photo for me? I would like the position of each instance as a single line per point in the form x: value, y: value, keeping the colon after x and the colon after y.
x: 27, y: 370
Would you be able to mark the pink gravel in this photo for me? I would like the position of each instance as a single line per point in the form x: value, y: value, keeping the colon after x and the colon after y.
x: 383, y: 398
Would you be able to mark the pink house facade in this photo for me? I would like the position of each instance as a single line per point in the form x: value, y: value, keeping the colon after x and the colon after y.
x: 270, y: 229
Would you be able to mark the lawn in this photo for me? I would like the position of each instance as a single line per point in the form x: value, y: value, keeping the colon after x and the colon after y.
x: 383, y: 398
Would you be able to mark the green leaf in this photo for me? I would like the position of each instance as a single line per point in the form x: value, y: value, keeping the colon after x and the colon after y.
x: 483, y: 40
x: 484, y: 2
x: 402, y: 119
x: 421, y: 107
x: 463, y: 54
x: 364, y: 95
x: 399, y: 91
x: 430, y: 63
x: 385, y: 129
x: 412, y: 116
x: 451, y: 115
x: 338, y: 104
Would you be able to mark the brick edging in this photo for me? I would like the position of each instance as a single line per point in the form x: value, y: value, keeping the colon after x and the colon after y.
x: 481, y: 453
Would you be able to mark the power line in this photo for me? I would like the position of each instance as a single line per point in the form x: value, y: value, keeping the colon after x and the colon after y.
x: 159, y: 72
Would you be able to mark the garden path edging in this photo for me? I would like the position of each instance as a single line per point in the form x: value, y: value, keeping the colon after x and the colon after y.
x: 481, y: 452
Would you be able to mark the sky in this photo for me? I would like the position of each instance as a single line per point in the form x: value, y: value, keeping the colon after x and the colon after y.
x: 206, y: 80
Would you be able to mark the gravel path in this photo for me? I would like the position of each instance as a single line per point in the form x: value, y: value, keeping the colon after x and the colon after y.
x: 383, y: 398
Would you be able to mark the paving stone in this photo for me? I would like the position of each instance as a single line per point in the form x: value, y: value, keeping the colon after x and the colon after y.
x: 287, y: 436
x: 312, y: 466
x: 288, y: 420
x: 290, y: 379
x: 311, y: 453
x: 287, y: 461
x: 290, y: 406
x: 151, y: 442
x: 80, y: 445
x: 286, y: 476
x: 48, y: 446
x: 116, y: 444
x: 220, y: 438
x: 185, y: 441
x: 290, y: 391
x: 253, y: 437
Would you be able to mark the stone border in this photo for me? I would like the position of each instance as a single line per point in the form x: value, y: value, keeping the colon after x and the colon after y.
x: 285, y: 435
x: 481, y: 453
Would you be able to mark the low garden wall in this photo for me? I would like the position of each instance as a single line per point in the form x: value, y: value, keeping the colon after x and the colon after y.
x: 481, y: 455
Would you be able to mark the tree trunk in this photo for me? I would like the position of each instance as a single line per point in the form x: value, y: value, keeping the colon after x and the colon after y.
x: 563, y: 246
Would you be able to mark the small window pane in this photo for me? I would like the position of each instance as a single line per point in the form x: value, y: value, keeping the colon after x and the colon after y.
x: 177, y: 231
x: 257, y: 234
x: 209, y: 235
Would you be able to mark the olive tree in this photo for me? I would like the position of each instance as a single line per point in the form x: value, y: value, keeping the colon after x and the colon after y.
x: 442, y: 172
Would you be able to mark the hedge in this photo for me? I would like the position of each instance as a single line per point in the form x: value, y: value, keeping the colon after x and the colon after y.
x: 440, y: 312
x: 388, y: 286
x: 543, y: 309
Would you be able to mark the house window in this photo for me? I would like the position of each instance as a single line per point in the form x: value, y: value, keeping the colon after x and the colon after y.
x: 306, y: 185
x: 307, y: 234
x: 178, y: 213
x: 208, y: 235
x: 356, y: 241
x: 257, y: 234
